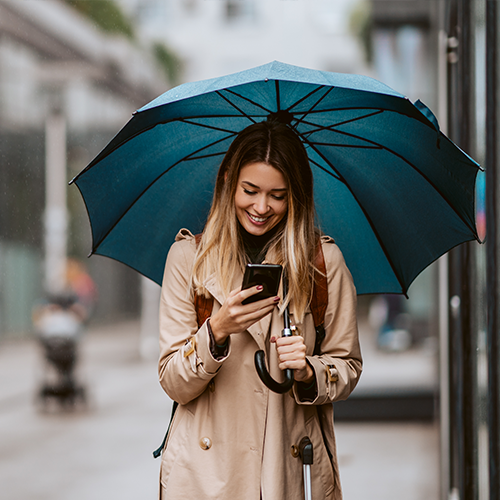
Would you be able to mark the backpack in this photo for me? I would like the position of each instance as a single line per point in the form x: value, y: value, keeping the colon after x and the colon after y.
x: 319, y: 303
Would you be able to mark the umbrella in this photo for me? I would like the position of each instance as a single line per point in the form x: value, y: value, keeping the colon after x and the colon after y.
x: 392, y: 190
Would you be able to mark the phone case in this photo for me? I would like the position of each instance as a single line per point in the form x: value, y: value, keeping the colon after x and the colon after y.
x: 267, y: 275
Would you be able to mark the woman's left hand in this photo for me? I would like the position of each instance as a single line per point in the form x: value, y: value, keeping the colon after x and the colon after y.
x: 292, y: 355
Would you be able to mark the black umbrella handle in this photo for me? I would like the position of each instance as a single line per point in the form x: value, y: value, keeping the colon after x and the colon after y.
x: 280, y: 388
x: 260, y: 357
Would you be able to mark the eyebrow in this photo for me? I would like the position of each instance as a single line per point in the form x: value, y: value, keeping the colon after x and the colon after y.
x: 257, y: 187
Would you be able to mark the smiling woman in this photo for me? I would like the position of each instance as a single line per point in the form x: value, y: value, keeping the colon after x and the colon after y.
x: 268, y: 156
x: 230, y: 437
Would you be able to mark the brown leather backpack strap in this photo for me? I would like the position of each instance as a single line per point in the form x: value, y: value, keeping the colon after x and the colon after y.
x: 319, y: 301
x: 203, y: 308
x: 202, y: 305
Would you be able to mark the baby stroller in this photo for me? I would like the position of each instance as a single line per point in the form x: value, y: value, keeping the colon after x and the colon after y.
x: 59, y: 324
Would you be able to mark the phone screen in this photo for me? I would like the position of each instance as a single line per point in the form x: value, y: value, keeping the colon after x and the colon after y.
x: 267, y: 275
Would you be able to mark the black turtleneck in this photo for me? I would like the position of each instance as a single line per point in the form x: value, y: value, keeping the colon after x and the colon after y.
x: 254, y: 245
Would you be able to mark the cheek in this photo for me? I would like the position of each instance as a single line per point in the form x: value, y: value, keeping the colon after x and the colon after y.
x: 282, y: 208
x: 238, y: 200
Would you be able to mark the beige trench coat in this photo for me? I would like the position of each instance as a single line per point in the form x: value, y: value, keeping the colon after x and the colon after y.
x: 231, y: 437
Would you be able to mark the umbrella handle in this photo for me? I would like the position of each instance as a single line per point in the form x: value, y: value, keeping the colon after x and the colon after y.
x: 280, y: 388
x: 260, y: 356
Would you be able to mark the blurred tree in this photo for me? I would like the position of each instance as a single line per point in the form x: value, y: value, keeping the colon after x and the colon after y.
x: 361, y: 26
x: 168, y: 61
x: 106, y: 14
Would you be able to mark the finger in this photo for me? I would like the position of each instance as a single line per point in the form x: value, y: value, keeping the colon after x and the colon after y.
x: 291, y: 340
x: 248, y: 292
x: 236, y: 307
x: 291, y: 356
x: 235, y: 291
x: 292, y: 365
x: 291, y: 350
x: 254, y: 316
x: 290, y: 346
x: 261, y: 305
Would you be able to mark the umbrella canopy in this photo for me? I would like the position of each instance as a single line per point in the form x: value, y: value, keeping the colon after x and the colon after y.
x: 390, y: 188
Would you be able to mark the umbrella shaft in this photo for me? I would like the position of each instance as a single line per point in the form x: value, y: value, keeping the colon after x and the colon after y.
x: 307, y: 482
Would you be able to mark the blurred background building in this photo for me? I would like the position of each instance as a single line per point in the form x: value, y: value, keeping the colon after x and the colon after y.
x: 55, y: 62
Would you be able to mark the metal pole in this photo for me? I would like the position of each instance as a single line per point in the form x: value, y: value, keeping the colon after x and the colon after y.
x: 463, y: 341
x: 443, y: 296
x: 493, y: 392
x: 55, y: 203
x: 470, y: 471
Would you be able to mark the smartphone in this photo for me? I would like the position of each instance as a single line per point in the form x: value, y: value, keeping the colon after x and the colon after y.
x: 267, y: 275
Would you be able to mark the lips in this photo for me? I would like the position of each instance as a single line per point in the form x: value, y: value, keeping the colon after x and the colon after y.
x: 257, y: 220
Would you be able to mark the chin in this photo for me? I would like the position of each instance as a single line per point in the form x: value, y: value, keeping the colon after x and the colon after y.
x: 259, y: 231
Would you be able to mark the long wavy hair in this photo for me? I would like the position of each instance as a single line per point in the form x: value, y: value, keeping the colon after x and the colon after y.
x: 293, y: 246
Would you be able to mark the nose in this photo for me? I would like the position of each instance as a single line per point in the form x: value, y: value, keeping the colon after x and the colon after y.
x: 260, y: 205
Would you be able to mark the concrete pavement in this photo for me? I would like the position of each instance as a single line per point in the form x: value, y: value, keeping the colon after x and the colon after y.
x: 104, y: 452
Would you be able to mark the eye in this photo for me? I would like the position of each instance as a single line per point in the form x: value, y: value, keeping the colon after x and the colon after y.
x: 247, y: 191
x: 278, y: 197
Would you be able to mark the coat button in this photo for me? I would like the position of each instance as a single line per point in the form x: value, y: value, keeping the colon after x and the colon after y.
x: 294, y: 450
x: 205, y: 443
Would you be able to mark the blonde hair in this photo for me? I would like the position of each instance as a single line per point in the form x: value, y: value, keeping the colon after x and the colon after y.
x: 293, y: 246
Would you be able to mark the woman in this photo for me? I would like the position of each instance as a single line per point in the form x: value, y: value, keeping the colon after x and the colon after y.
x: 231, y: 438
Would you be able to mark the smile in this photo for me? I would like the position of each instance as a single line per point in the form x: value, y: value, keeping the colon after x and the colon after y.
x: 258, y: 220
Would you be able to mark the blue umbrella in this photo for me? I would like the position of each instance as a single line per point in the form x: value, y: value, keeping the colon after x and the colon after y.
x: 393, y: 190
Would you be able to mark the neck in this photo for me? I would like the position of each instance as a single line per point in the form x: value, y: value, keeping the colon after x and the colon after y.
x: 255, y: 245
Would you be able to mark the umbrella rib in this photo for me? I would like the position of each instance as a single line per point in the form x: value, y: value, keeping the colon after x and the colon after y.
x: 94, y: 249
x: 205, y: 156
x: 247, y: 99
x: 353, y: 146
x: 301, y: 120
x: 381, y: 146
x: 204, y: 125
x: 330, y: 127
x: 368, y: 218
x: 296, y: 103
x: 99, y: 158
x: 236, y: 107
x: 351, y: 108
x: 329, y: 172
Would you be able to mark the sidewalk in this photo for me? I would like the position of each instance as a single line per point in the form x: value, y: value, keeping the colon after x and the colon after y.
x: 105, y: 452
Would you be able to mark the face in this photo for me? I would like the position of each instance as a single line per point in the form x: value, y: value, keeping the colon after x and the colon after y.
x: 261, y: 198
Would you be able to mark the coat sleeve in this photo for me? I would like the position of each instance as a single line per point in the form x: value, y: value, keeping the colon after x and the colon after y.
x: 338, y: 368
x: 186, y: 364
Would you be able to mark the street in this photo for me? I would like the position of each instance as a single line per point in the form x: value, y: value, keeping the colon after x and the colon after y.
x: 105, y: 451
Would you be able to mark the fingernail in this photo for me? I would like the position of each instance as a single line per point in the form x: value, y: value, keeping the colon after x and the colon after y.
x: 276, y: 299
x: 260, y: 287
x: 273, y: 339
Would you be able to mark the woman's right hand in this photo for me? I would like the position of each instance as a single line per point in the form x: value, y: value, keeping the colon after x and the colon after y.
x: 235, y: 317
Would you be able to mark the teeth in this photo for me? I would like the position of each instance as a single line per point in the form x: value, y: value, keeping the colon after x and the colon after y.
x: 257, y: 219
